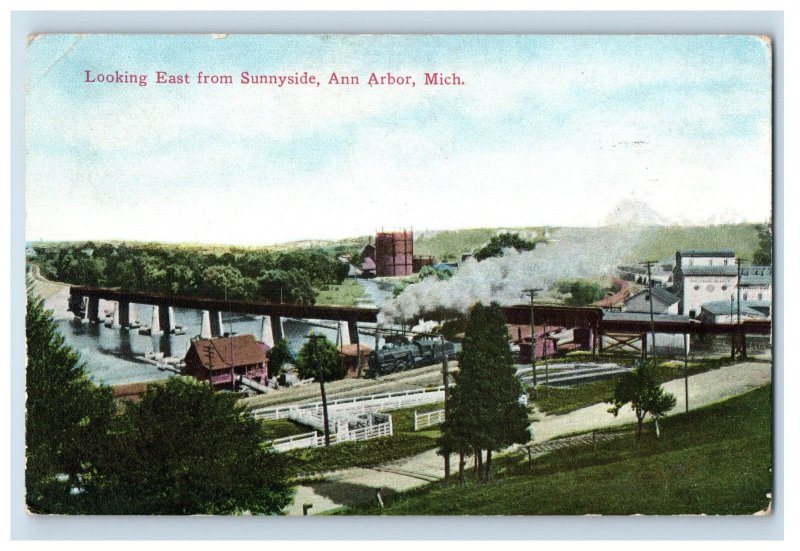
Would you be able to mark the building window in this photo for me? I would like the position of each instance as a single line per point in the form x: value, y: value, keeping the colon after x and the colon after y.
x: 647, y: 298
x: 710, y: 288
x: 745, y: 296
x: 696, y: 287
x: 726, y: 261
x: 710, y: 261
x: 760, y: 296
x: 724, y: 287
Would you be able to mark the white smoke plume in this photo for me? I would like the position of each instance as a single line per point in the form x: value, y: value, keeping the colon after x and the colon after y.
x: 574, y: 253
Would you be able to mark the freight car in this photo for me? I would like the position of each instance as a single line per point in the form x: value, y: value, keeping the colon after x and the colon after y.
x: 391, y: 359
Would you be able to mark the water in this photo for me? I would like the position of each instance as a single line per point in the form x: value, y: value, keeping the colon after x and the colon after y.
x: 110, y: 353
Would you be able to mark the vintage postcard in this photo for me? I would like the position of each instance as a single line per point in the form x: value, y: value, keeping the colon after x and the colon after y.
x: 399, y: 274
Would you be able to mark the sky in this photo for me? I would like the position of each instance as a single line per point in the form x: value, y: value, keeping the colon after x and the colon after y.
x: 545, y: 130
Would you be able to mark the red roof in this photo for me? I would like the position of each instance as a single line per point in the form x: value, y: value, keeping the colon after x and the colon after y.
x: 246, y: 351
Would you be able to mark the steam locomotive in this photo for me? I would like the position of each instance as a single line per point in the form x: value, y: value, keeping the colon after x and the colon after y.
x: 399, y: 357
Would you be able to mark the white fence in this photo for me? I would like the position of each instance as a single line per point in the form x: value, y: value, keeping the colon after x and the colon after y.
x: 430, y: 419
x: 359, y: 404
x: 314, y: 439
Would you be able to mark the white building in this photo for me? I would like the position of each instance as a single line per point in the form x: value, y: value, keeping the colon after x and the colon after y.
x: 703, y: 276
x: 756, y: 283
x: 664, y: 302
x: 728, y: 311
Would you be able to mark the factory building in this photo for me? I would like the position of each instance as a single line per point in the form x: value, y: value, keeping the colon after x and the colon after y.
x: 756, y: 283
x: 727, y: 311
x: 394, y: 253
x: 703, y: 276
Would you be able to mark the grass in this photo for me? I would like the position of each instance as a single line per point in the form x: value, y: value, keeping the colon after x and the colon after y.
x: 713, y: 460
x: 403, y: 443
x: 359, y: 454
x: 561, y: 400
x: 280, y: 428
x: 349, y: 293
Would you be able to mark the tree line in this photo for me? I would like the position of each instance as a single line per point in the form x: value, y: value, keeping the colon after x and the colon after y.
x: 286, y: 276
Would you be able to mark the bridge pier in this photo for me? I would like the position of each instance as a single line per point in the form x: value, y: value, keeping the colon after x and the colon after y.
x: 205, y: 325
x: 124, y: 310
x: 277, y: 327
x: 266, y: 332
x: 155, y: 321
x: 216, y: 323
x: 352, y: 329
x: 343, y: 333
x: 166, y: 319
x: 93, y: 310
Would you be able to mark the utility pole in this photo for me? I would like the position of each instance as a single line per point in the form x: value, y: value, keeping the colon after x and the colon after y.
x: 446, y: 384
x: 739, y: 332
x: 314, y: 339
x: 532, y: 292
x: 649, y: 264
x: 686, y: 369
x: 733, y: 341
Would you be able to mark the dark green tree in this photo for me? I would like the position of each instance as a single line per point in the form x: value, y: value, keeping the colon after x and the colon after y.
x: 185, y: 449
x: 278, y: 356
x: 483, y: 408
x: 332, y: 367
x: 221, y: 280
x: 66, y: 419
x: 763, y: 254
x: 503, y: 241
x: 641, y: 390
x: 581, y: 291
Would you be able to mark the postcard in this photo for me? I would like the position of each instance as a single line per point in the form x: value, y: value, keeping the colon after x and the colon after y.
x: 399, y: 274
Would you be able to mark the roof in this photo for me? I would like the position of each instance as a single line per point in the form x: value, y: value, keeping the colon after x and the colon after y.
x: 757, y: 270
x: 352, y: 350
x: 725, y: 253
x: 246, y: 351
x: 724, y: 307
x: 660, y: 293
x: 369, y: 264
x: 642, y: 316
x: 747, y: 280
x: 709, y: 271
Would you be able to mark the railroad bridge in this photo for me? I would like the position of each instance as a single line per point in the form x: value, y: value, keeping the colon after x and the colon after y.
x: 590, y: 317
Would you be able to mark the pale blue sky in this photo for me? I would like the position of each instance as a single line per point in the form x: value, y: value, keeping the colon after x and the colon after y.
x: 551, y: 130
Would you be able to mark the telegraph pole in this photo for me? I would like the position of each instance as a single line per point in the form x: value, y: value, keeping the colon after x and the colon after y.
x: 740, y: 333
x: 446, y: 383
x: 314, y: 339
x: 649, y: 264
x: 733, y: 341
x: 532, y: 292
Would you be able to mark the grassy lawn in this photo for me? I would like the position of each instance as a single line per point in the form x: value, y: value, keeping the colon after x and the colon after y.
x: 404, y: 443
x: 280, y: 428
x: 561, y: 400
x: 349, y: 293
x: 714, y: 460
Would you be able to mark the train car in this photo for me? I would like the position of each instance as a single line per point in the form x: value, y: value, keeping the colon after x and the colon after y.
x: 392, y: 359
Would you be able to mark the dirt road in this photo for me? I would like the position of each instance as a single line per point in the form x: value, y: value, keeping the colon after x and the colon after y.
x: 358, y: 485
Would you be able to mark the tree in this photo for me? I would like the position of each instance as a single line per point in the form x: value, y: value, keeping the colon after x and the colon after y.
x: 503, y: 241
x: 581, y: 291
x: 332, y: 367
x: 641, y: 390
x: 483, y: 408
x: 185, y: 449
x: 763, y: 255
x: 279, y: 355
x: 66, y: 419
x: 221, y: 280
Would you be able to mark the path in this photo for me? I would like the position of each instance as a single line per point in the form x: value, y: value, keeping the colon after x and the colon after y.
x: 358, y: 485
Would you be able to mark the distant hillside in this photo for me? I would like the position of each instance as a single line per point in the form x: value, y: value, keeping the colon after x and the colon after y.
x: 451, y: 244
x: 656, y: 243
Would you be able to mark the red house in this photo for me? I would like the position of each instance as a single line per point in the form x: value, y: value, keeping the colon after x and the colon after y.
x: 223, y: 359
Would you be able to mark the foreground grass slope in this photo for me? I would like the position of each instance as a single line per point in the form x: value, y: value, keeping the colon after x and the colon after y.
x: 715, y: 460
